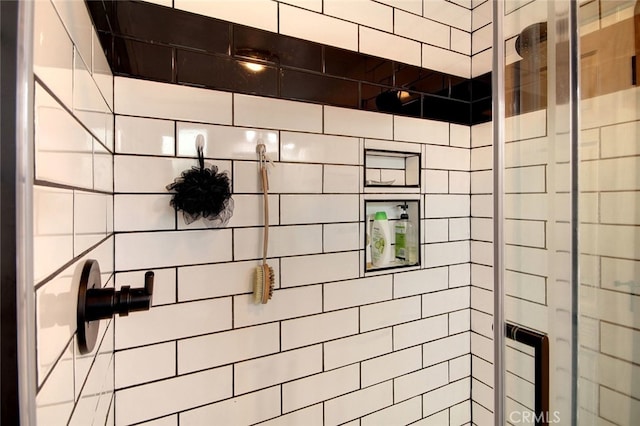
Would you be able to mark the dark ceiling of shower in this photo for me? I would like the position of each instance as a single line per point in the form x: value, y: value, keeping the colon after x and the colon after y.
x: 157, y: 43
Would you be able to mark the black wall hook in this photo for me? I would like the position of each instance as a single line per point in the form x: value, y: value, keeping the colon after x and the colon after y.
x: 96, y: 303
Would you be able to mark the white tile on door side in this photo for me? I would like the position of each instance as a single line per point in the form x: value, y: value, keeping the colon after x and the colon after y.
x: 153, y: 174
x: 419, y: 130
x: 55, y: 400
x: 144, y: 212
x: 390, y: 366
x: 417, y: 332
x: 442, y: 350
x: 448, y: 13
x: 52, y: 52
x: 413, y: 6
x: 420, y: 382
x: 361, y: 291
x: 89, y: 106
x: 461, y: 41
x: 348, y: 350
x: 242, y: 410
x: 389, y: 313
x: 315, y: 5
x: 162, y: 100
x: 357, y: 404
x: 283, y: 178
x: 327, y: 267
x: 145, y: 364
x: 313, y: 148
x: 63, y: 147
x: 285, y: 304
x: 418, y: 28
x: 274, y: 369
x: 202, y: 352
x: 172, y: 395
x: 371, y: 14
x: 329, y: 326
x: 226, y: 142
x: 341, y: 179
x: 418, y: 282
x: 170, y: 322
x: 302, y: 209
x: 341, y: 236
x: 204, y: 281
x: 310, y: 416
x: 445, y: 301
x: 264, y: 13
x: 173, y: 248
x: 146, y: 136
x: 283, y: 241
x: 385, y: 45
x: 445, y: 396
x: 349, y: 122
x: 320, y: 387
x: 407, y: 412
x: 102, y: 71
x: 248, y: 210
x: 317, y: 27
x: 446, y: 61
x: 271, y: 113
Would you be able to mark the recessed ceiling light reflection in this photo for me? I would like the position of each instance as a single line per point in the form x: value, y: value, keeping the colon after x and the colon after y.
x: 403, y: 96
x: 252, y: 66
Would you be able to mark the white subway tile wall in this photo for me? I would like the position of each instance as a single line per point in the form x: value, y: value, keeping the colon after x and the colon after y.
x: 204, y: 350
x: 73, y: 211
x: 329, y: 329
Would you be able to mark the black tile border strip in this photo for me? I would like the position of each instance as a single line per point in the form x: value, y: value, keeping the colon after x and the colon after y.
x: 157, y: 36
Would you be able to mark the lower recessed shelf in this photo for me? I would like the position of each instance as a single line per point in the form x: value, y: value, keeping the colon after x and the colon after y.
x: 392, y: 237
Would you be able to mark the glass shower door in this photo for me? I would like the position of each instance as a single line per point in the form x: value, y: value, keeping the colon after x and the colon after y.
x: 609, y: 221
x: 537, y: 265
x: 570, y: 169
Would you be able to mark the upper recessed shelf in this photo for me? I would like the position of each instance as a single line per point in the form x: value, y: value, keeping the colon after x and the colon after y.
x: 391, y: 169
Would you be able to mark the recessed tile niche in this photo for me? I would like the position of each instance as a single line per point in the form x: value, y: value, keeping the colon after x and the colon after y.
x: 404, y: 241
x: 391, y: 169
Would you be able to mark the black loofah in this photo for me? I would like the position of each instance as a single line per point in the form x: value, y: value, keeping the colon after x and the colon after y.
x: 202, y: 192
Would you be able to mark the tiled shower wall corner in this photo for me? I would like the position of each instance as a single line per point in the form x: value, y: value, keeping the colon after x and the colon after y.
x: 73, y: 210
x: 314, y: 353
x: 481, y: 230
x: 482, y: 274
x: 333, y: 345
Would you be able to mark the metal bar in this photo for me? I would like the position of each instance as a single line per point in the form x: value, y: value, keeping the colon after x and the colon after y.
x: 540, y: 343
x: 574, y: 102
x: 24, y: 216
x: 498, y: 114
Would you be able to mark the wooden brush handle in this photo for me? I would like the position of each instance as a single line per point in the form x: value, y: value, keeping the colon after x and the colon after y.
x: 265, y: 189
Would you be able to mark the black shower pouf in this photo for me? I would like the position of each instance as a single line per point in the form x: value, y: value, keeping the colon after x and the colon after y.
x: 202, y: 192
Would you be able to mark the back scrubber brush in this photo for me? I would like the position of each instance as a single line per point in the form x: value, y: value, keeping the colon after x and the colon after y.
x: 264, y: 279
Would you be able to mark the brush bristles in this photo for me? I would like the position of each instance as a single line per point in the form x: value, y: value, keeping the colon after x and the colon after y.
x: 258, y: 285
x: 267, y: 290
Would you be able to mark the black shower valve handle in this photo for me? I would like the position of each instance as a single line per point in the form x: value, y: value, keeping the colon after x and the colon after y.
x: 103, y: 303
x: 95, y: 303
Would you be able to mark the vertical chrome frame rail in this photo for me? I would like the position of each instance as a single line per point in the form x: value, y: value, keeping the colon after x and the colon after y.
x: 24, y: 216
x: 498, y: 113
x: 574, y: 102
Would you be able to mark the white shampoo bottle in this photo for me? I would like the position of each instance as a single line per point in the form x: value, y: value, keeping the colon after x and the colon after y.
x: 380, y: 240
